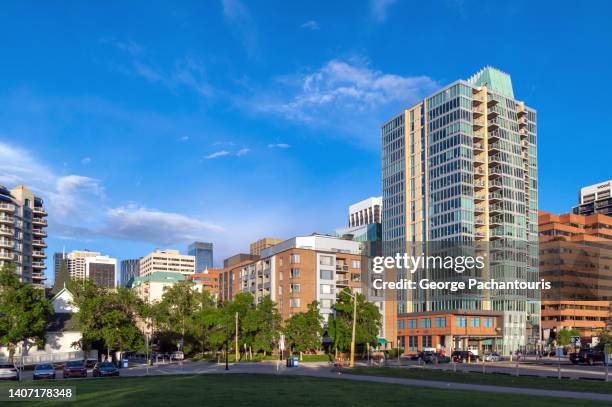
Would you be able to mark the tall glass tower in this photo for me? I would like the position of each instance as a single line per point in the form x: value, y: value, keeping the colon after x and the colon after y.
x: 460, y: 166
x: 203, y: 253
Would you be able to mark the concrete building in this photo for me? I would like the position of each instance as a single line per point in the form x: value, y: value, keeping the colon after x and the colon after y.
x: 595, y: 199
x: 167, y: 261
x: 237, y: 259
x: 258, y: 246
x: 460, y: 166
x: 576, y: 257
x: 151, y: 287
x: 203, y: 253
x: 366, y: 212
x: 22, y: 233
x: 130, y: 269
x: 92, y: 265
x: 207, y: 280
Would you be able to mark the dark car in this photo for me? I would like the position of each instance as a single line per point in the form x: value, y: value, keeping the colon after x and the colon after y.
x: 44, y: 371
x: 462, y: 356
x: 589, y: 356
x: 75, y: 368
x: 90, y: 363
x: 103, y: 369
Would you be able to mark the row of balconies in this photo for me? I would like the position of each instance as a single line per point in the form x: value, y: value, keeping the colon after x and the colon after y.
x: 39, y: 221
x: 39, y: 211
x: 6, y: 255
x: 7, y: 219
x: 7, y: 243
x: 6, y: 207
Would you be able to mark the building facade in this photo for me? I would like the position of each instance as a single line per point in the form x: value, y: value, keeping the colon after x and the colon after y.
x: 203, y: 253
x: 152, y: 286
x: 130, y: 269
x: 576, y: 257
x: 595, y: 199
x: 207, y: 280
x: 258, y: 246
x: 94, y: 266
x: 167, y: 261
x: 22, y: 234
x: 460, y: 166
x: 366, y: 212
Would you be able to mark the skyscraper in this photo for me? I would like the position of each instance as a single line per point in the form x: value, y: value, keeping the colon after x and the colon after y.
x: 92, y: 265
x: 203, y: 253
x: 22, y: 234
x: 130, y: 269
x: 595, y: 199
x: 460, y: 166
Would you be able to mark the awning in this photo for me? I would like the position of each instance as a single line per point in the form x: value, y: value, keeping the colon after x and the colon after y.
x: 382, y: 341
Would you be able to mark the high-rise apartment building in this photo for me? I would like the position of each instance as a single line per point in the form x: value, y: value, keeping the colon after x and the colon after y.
x: 130, y: 269
x: 460, y: 166
x: 203, y: 253
x: 595, y: 199
x: 92, y: 265
x: 22, y: 233
x: 576, y: 258
x: 366, y: 212
x: 258, y: 246
x: 167, y: 261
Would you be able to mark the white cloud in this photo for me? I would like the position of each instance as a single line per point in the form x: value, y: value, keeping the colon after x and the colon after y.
x: 278, y: 145
x: 217, y: 154
x: 86, y: 160
x: 311, y: 25
x: 149, y: 225
x: 379, y: 9
x: 242, y: 151
x: 237, y: 15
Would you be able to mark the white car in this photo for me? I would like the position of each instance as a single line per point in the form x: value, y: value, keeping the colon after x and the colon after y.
x: 8, y: 371
x: 178, y: 355
x: 492, y: 357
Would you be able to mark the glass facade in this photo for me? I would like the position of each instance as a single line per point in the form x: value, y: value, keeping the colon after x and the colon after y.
x: 203, y: 253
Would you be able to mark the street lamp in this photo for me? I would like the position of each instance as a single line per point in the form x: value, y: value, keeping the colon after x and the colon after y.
x: 226, y: 345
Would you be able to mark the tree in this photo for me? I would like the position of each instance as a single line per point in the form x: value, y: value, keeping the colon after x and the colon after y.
x: 368, y: 326
x: 303, y: 330
x: 176, y: 309
x: 564, y: 336
x: 24, y: 312
x: 261, y: 326
x: 107, y: 318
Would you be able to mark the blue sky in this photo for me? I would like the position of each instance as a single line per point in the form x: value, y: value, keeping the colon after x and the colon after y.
x: 150, y: 124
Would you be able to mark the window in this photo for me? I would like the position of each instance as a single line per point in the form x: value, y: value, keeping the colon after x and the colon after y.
x: 294, y: 258
x: 325, y: 289
x: 326, y: 260
x: 427, y: 341
x: 426, y: 323
x: 461, y: 322
x: 280, y: 276
x: 355, y: 277
x: 412, y: 323
x: 413, y: 343
x: 294, y: 288
x: 326, y: 274
x: 400, y: 324
x: 294, y: 303
x: 440, y: 322
x: 488, y: 322
x: 475, y: 322
x: 326, y: 303
x: 356, y: 264
x: 295, y: 273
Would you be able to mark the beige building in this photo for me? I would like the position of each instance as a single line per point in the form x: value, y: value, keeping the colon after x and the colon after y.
x: 167, y: 261
x: 22, y: 233
x: 258, y: 246
x: 92, y: 265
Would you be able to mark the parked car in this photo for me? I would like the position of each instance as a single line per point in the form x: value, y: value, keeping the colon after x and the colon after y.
x: 8, y: 371
x: 90, y: 362
x: 492, y: 357
x: 105, y: 369
x: 178, y: 355
x: 75, y: 368
x: 462, y: 356
x: 589, y: 356
x: 44, y: 371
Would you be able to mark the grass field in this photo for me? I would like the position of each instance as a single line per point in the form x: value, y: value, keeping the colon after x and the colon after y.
x: 490, y: 379
x: 267, y: 390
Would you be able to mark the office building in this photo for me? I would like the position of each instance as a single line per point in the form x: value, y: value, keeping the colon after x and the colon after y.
x: 576, y: 258
x: 22, y: 234
x: 101, y: 269
x: 130, y: 269
x: 460, y: 166
x: 595, y: 199
x: 203, y: 253
x: 207, y: 280
x: 366, y: 212
x: 167, y: 261
x: 258, y: 246
x: 152, y: 286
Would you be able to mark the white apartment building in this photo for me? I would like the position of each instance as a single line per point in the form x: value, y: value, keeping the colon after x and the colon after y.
x: 22, y: 233
x: 168, y: 261
x: 92, y: 265
x: 366, y: 212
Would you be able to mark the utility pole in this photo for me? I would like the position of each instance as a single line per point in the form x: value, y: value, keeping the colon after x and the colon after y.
x: 237, y: 350
x: 352, y: 364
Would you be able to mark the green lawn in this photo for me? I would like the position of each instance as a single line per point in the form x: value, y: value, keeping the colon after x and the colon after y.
x: 492, y: 379
x: 267, y: 390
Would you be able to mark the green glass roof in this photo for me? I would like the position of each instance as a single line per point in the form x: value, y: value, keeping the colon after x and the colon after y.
x: 495, y: 80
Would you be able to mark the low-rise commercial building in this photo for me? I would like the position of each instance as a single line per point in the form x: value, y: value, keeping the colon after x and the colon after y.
x: 207, y: 280
x: 151, y: 287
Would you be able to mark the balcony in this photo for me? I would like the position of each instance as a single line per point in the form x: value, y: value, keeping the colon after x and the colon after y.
x: 39, y: 222
x: 39, y: 211
x: 342, y: 268
x: 7, y: 243
x: 478, y: 123
x: 480, y: 221
x: 495, y: 197
x: 496, y: 208
x: 6, y: 255
x: 4, y: 219
x: 523, y: 133
x: 478, y: 146
x: 5, y: 207
x: 491, y: 101
x: 495, y: 172
x: 479, y: 209
x: 495, y: 185
x: 479, y: 172
x: 39, y: 233
x: 38, y: 265
x: 38, y: 243
x: 342, y: 283
x: 478, y: 111
x: 479, y: 197
x: 522, y: 121
x: 4, y: 231
x: 493, y: 124
x: 479, y: 184
x: 496, y: 159
x: 39, y: 254
x: 496, y: 220
x: 478, y: 99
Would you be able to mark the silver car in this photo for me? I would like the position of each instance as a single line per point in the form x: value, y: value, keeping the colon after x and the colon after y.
x: 44, y: 371
x: 8, y: 371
